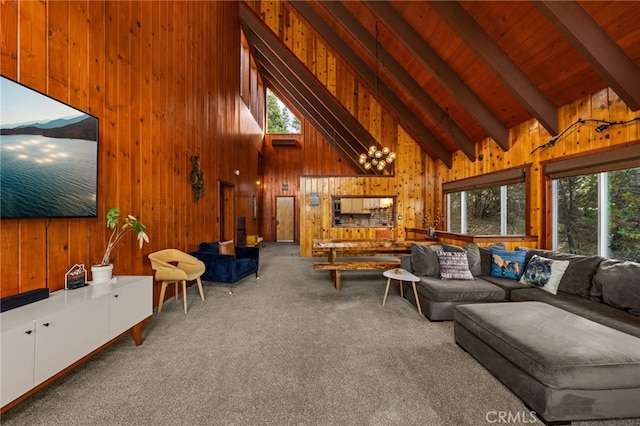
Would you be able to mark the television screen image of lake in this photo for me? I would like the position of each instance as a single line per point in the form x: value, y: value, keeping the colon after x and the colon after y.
x: 48, y: 177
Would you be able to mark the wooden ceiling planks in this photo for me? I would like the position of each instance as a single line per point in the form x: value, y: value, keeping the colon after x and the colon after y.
x: 536, y: 49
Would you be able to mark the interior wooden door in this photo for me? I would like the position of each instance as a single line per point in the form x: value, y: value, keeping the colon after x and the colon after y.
x: 285, y: 219
x: 227, y: 211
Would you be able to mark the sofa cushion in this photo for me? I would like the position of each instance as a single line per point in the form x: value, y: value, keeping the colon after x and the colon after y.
x: 209, y: 248
x: 507, y: 264
x: 578, y: 277
x: 473, y: 256
x: 617, y: 283
x: 485, y: 256
x: 476, y: 290
x: 530, y: 252
x: 598, y: 312
x: 544, y: 273
x: 555, y: 347
x: 454, y: 265
x: 506, y: 284
x: 424, y: 260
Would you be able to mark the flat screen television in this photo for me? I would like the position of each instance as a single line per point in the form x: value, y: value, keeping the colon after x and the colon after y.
x: 48, y: 156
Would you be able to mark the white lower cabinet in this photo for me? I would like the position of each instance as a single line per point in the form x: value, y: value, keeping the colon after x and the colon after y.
x: 129, y: 305
x: 18, y: 351
x: 64, y: 337
x: 43, y: 338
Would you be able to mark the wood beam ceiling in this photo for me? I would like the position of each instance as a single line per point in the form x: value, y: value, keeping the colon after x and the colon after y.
x: 281, y: 60
x: 596, y: 47
x: 401, y: 77
x: 395, y: 23
x: 326, y: 130
x: 504, y: 68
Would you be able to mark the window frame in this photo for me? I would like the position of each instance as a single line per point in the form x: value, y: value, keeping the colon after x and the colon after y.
x: 292, y: 111
x: 617, y: 157
x: 501, y: 178
x: 600, y: 161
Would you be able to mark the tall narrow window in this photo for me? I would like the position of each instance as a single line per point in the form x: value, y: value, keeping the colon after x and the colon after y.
x: 245, y: 69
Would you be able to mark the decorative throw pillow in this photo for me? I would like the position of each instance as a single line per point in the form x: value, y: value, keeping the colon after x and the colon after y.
x: 424, y: 260
x: 454, y: 265
x: 485, y: 256
x: 507, y: 264
x: 473, y: 256
x: 544, y: 273
x: 227, y: 247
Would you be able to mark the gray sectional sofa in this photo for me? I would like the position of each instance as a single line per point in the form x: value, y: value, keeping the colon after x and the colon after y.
x: 573, y: 355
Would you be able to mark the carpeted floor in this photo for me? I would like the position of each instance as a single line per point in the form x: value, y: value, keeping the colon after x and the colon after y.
x: 284, y: 349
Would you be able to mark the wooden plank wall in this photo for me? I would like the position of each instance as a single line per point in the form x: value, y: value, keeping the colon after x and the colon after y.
x: 408, y: 184
x: 312, y: 155
x: 315, y: 156
x: 603, y: 105
x: 418, y: 177
x: 163, y: 78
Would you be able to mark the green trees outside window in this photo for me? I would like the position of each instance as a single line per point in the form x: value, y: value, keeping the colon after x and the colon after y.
x: 599, y: 214
x: 279, y: 118
x: 498, y: 210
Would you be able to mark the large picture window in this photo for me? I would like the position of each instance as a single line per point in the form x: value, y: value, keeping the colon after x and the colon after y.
x: 598, y: 214
x: 597, y: 211
x: 491, y: 204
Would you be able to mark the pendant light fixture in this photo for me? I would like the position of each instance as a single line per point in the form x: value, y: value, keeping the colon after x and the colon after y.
x: 378, y: 157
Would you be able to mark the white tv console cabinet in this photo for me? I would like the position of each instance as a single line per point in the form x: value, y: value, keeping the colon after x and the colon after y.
x: 43, y: 340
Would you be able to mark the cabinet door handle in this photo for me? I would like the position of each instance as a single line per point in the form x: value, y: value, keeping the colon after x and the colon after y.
x: 115, y: 295
x: 46, y: 324
x: 28, y: 331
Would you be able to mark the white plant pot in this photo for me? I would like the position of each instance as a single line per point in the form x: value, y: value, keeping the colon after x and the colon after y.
x: 101, y: 273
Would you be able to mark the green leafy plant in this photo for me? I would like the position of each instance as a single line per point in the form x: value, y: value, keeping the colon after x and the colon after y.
x: 121, y: 226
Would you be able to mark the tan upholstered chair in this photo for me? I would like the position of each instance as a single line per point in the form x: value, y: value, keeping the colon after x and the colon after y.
x: 175, y: 266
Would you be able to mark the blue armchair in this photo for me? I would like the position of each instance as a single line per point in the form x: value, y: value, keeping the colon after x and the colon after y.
x: 225, y: 268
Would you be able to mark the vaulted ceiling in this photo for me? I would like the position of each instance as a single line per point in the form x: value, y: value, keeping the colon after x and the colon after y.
x: 457, y: 72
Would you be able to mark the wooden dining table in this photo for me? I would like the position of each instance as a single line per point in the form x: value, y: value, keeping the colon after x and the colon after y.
x: 354, y: 248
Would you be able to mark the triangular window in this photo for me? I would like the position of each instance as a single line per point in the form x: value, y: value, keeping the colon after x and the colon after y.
x: 280, y: 119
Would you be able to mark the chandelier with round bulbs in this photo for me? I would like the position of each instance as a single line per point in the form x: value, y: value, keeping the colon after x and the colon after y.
x: 376, y: 157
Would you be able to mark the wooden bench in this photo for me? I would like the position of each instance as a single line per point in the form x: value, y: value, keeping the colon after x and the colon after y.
x: 367, y: 265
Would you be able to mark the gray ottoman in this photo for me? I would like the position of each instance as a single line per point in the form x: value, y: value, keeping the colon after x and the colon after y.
x: 439, y: 297
x: 563, y: 366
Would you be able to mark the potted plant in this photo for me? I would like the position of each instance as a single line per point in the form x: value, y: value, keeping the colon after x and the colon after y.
x: 120, y: 226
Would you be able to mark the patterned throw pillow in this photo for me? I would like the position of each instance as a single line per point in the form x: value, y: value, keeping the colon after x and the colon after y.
x: 454, y: 265
x: 544, y: 273
x: 507, y: 264
x: 227, y: 247
x: 473, y: 256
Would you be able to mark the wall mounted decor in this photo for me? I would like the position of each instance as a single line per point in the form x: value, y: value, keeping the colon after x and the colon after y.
x: 197, y: 179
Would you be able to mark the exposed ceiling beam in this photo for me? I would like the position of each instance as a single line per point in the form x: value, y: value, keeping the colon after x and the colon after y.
x: 316, y: 119
x: 272, y: 47
x: 421, y: 50
x: 328, y: 126
x: 402, y: 78
x: 602, y: 53
x: 503, y: 67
